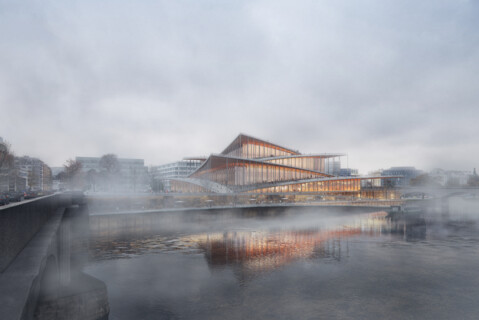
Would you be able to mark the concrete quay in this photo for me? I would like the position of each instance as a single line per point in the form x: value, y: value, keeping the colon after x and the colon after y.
x: 43, y: 244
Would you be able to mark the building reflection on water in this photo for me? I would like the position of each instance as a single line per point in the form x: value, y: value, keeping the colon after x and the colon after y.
x: 252, y: 251
x: 258, y: 251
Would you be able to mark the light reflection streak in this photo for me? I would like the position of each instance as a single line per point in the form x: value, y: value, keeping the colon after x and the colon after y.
x: 267, y: 250
x: 252, y: 250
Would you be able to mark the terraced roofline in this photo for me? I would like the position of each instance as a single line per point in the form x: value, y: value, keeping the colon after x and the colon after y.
x: 255, y: 161
x: 249, y: 139
x: 318, y: 155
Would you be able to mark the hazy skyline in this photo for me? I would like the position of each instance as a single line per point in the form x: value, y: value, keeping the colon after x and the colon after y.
x: 391, y: 83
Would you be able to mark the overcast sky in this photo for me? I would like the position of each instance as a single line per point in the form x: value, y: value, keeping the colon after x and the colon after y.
x: 390, y: 83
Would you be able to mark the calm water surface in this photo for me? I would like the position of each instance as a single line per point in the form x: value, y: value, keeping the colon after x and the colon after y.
x: 290, y: 265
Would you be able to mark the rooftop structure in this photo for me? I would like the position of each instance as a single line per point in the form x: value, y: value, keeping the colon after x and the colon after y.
x: 179, y: 169
x: 405, y: 174
x: 348, y: 172
x: 252, y: 165
x: 132, y: 175
x: 450, y: 177
x: 31, y: 173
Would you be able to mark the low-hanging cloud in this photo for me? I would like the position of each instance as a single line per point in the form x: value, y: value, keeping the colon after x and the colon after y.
x: 391, y: 83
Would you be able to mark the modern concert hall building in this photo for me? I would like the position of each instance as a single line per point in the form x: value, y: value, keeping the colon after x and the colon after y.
x: 252, y: 165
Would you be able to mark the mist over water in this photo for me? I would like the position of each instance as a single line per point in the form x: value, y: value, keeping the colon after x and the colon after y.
x: 297, y: 264
x: 385, y: 83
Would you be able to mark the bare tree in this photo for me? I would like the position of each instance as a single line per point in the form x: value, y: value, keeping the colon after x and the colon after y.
x: 72, y: 167
x: 111, y: 168
x: 109, y: 163
x: 3, y: 153
x: 73, y: 173
x: 7, y: 157
x: 7, y: 165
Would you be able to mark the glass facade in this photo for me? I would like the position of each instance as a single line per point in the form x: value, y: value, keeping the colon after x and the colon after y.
x: 251, y: 165
x: 315, y: 186
x: 243, y: 172
x: 326, y: 164
x: 308, y: 163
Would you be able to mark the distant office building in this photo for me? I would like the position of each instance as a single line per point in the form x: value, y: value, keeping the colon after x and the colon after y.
x: 348, y: 172
x: 439, y: 176
x: 335, y: 167
x: 31, y: 173
x: 132, y: 175
x: 450, y: 178
x: 163, y: 174
x: 4, y: 180
x: 21, y: 173
x: 405, y: 173
x: 374, y: 183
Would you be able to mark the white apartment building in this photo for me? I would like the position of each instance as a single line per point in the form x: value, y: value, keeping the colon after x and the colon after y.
x: 179, y: 169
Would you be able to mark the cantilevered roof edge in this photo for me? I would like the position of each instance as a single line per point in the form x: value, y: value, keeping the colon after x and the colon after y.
x: 257, y: 161
x: 318, y: 155
x: 246, y: 137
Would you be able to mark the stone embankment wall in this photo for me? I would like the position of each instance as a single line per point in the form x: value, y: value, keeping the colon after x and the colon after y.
x: 20, y: 222
x: 44, y: 245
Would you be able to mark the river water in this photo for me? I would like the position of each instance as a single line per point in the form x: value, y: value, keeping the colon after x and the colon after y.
x: 298, y: 264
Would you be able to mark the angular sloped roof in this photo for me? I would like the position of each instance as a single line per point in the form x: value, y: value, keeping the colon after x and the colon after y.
x: 216, y: 159
x: 318, y: 155
x: 243, y: 138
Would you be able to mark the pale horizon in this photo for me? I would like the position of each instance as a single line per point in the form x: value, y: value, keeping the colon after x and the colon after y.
x: 389, y: 83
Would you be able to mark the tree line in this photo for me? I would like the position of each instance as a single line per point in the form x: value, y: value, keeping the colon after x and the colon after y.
x: 74, y: 177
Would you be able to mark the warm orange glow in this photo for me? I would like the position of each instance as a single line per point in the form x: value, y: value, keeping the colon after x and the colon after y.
x: 266, y: 250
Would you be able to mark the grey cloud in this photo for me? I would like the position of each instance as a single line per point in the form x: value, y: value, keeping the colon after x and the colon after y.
x: 162, y: 80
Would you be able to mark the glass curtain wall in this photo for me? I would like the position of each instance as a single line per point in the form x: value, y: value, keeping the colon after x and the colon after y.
x: 317, y: 186
x: 317, y: 163
x: 240, y: 173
